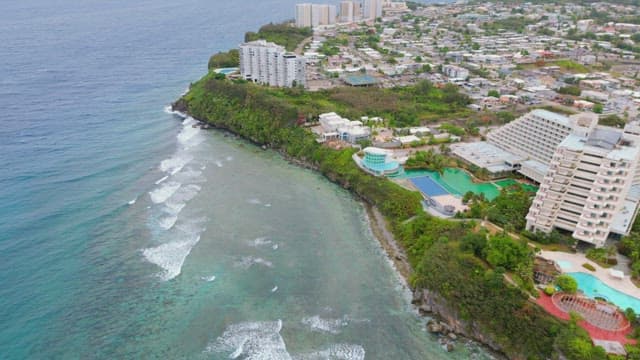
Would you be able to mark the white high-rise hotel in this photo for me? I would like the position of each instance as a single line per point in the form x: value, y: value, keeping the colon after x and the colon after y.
x: 592, y: 185
x: 267, y: 63
x: 589, y: 175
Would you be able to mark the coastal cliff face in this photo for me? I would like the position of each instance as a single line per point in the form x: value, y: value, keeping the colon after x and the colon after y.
x: 430, y: 303
x: 471, y: 298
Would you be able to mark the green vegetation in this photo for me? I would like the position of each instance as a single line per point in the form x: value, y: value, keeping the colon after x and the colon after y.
x: 605, y: 257
x: 612, y: 120
x: 331, y: 46
x: 462, y: 265
x: 227, y: 59
x: 507, y: 210
x: 569, y: 90
x: 493, y: 93
x: 514, y: 23
x: 588, y: 267
x: 284, y: 34
x: 554, y: 237
x: 427, y: 160
x: 567, y: 284
x: 598, y: 108
x: 569, y: 65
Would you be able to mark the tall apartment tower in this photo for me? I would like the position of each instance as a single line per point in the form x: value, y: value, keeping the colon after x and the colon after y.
x: 267, y: 63
x: 372, y: 9
x: 322, y: 14
x: 303, y: 15
x: 591, y: 186
x: 347, y: 10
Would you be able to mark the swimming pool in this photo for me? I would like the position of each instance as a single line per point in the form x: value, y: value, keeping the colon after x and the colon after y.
x: 593, y: 287
x: 564, y: 264
x: 456, y: 182
x: 226, y: 71
x: 428, y: 186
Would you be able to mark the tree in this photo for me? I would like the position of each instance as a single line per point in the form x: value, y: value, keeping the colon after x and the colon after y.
x: 597, y: 108
x: 567, y: 284
x: 493, y: 93
x: 503, y: 251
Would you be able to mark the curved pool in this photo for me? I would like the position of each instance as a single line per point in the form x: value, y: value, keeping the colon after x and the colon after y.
x: 593, y: 287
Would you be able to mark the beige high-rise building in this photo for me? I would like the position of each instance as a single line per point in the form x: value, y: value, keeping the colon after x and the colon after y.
x: 371, y: 9
x: 347, y: 11
x: 303, y: 15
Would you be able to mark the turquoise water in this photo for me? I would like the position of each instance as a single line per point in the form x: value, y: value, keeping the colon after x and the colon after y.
x: 226, y: 71
x: 564, y: 264
x: 126, y: 233
x: 593, y: 287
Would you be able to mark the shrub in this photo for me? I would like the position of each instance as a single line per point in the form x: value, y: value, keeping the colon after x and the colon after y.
x: 549, y: 290
x: 567, y: 284
x: 588, y: 267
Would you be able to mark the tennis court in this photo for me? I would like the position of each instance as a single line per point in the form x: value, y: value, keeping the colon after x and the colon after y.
x: 428, y: 186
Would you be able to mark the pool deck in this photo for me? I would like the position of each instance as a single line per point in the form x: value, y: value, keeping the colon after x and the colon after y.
x: 623, y: 285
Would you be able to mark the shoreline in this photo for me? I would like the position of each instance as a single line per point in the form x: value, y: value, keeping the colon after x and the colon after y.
x: 379, y: 228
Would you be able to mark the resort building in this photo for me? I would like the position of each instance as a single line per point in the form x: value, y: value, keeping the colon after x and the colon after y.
x: 267, y: 63
x: 377, y: 162
x: 312, y: 15
x: 588, y: 174
x: 591, y: 188
x: 335, y: 127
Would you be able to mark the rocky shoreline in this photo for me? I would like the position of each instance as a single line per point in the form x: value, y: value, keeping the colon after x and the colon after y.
x: 443, y: 322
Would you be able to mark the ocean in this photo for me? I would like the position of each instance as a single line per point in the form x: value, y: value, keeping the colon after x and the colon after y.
x: 125, y: 232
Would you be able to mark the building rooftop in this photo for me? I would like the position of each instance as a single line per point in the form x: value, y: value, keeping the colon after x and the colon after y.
x: 557, y: 118
x: 604, y: 138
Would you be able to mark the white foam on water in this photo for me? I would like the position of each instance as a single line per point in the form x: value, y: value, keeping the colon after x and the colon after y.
x: 275, y: 288
x: 267, y: 205
x: 248, y: 261
x: 252, y: 341
x: 254, y: 201
x: 332, y: 326
x: 188, y: 135
x: 336, y: 352
x: 164, y: 192
x: 168, y: 110
x: 208, y: 278
x: 229, y: 158
x: 261, y: 241
x: 175, y: 163
x: 170, y: 256
x: 132, y: 201
x: 184, y: 194
x: 219, y: 163
x: 275, y: 247
x: 203, y: 167
x: 173, y: 208
x: 162, y: 180
x: 167, y: 222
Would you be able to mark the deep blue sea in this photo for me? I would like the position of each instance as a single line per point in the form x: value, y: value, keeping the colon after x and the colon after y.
x: 125, y: 232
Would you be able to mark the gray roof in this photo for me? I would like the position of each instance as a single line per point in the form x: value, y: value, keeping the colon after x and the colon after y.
x: 604, y: 138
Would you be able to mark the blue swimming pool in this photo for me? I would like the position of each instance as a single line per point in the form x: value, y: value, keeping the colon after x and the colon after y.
x: 428, y: 186
x: 564, y: 264
x: 226, y: 71
x: 593, y: 287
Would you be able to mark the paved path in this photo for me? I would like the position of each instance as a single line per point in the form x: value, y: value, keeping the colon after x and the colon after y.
x: 623, y: 285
